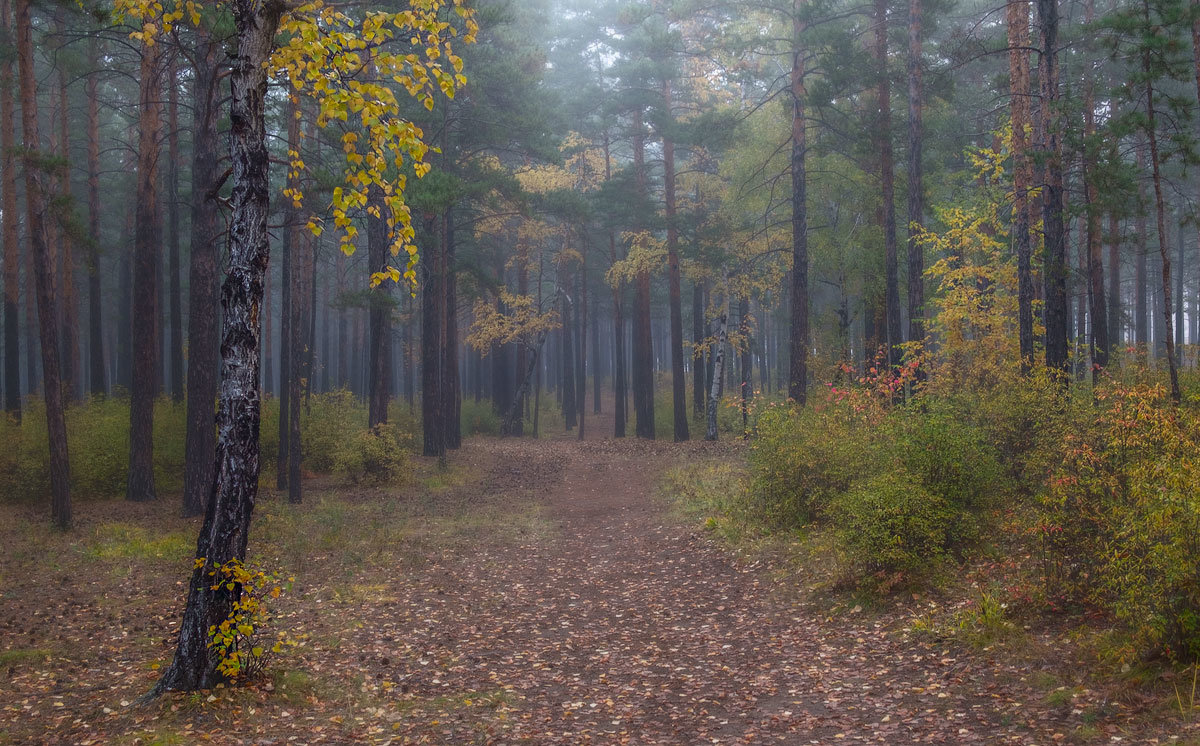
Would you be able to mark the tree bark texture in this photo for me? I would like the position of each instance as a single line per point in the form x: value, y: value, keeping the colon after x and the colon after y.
x: 674, y: 300
x: 1160, y: 213
x: 887, y: 179
x: 1018, y: 72
x: 203, y: 280
x: 798, y: 335
x: 35, y: 208
x: 8, y: 202
x: 146, y: 246
x: 235, y: 483
x: 916, y: 182
x: 97, y: 380
x: 378, y: 388
x: 643, y: 343
x: 175, y: 290
x: 1054, y: 257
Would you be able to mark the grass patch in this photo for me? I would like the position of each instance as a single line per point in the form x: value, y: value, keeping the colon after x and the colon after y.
x: 21, y: 656
x: 126, y: 541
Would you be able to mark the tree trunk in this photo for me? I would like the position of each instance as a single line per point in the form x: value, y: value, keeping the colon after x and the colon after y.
x: 1179, y: 269
x: 1141, y: 328
x: 643, y: 343
x: 96, y: 378
x: 714, y: 396
x: 1160, y: 213
x: 1114, y: 282
x: 208, y: 226
x: 433, y: 419
x: 1018, y: 71
x: 451, y: 385
x: 12, y: 259
x: 916, y: 185
x: 35, y: 207
x: 1054, y: 249
x: 698, y: 351
x: 1097, y: 309
x: 287, y: 327
x: 175, y: 291
x: 70, y: 300
x: 678, y: 382
x: 747, y: 365
x: 146, y: 245
x: 378, y: 389
x: 293, y: 324
x: 235, y: 484
x: 343, y: 356
x: 798, y: 335
x: 883, y: 134
x: 597, y: 376
x: 581, y: 345
x: 619, y: 395
x: 567, y: 351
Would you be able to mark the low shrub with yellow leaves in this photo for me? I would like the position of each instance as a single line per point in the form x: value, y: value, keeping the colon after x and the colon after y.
x: 241, y: 645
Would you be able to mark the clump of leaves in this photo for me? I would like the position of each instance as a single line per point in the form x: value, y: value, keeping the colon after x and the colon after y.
x: 241, y: 644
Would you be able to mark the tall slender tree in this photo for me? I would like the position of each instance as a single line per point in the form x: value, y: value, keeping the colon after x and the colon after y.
x: 147, y: 242
x: 12, y: 261
x: 798, y: 300
x: 47, y: 315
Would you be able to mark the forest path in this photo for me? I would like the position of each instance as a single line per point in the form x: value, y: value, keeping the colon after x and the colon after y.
x: 625, y: 626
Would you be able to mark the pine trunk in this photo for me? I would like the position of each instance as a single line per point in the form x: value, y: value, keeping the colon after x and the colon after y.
x: 1018, y: 71
x: 451, y: 385
x: 97, y: 383
x: 678, y: 382
x: 798, y: 337
x: 175, y: 297
x: 69, y: 299
x: 916, y: 171
x: 887, y: 179
x: 146, y: 245
x: 12, y: 259
x: 203, y: 279
x: 1160, y: 213
x: 1054, y: 259
x: 35, y: 207
x: 643, y: 343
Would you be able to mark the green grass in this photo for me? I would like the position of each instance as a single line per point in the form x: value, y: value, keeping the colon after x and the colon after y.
x: 126, y: 541
x: 21, y: 656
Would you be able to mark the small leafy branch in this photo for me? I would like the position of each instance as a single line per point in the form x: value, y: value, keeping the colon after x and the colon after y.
x: 239, y: 643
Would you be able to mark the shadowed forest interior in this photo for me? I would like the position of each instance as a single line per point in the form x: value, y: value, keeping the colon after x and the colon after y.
x: 512, y: 360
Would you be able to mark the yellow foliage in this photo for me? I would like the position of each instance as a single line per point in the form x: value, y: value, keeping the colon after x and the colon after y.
x: 647, y: 254
x: 346, y: 67
x: 521, y: 321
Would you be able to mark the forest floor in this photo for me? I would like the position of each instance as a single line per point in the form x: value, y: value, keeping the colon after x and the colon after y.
x: 534, y: 592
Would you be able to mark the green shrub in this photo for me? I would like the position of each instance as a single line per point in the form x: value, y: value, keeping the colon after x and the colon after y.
x: 329, y: 423
x: 1024, y: 422
x: 98, y: 447
x: 376, y: 456
x: 801, y: 460
x: 479, y: 418
x: 947, y: 454
x: 890, y: 523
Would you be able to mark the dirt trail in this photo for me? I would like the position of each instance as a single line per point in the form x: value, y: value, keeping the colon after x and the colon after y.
x: 627, y: 627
